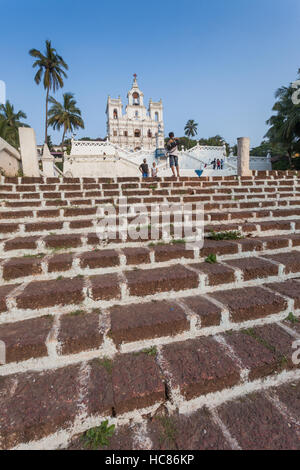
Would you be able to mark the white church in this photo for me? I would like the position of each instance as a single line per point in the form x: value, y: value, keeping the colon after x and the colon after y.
x: 137, y: 134
x: 138, y: 128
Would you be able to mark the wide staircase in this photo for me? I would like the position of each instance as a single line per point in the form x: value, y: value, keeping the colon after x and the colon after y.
x: 177, y: 345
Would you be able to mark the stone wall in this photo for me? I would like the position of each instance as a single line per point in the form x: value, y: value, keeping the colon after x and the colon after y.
x: 10, y: 159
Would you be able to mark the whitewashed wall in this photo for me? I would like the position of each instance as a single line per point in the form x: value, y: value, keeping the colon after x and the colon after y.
x: 92, y: 158
x: 10, y: 159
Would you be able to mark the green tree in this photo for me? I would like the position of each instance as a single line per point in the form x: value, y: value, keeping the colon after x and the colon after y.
x: 191, y: 128
x: 65, y: 115
x: 49, y: 143
x: 11, y: 120
x: 284, y: 125
x: 7, y: 133
x: 216, y: 141
x: 51, y: 69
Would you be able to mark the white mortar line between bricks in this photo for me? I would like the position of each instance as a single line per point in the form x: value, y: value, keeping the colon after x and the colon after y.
x: 283, y: 410
x: 127, y: 299
x: 289, y: 330
x: 233, y: 443
x: 225, y: 315
x: 52, y: 343
x: 290, y: 301
x: 194, y: 319
x: 244, y: 372
x: 141, y: 439
x: 83, y: 379
x: 175, y: 396
x: 62, y: 438
x: 11, y: 299
x: 214, y: 400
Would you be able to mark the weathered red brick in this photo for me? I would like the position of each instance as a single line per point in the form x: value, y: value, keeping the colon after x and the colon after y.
x: 199, y: 367
x: 216, y: 273
x: 26, y: 339
x: 21, y: 267
x: 290, y: 260
x: 9, y: 228
x: 137, y: 382
x: 79, y: 331
x: 36, y: 404
x: 250, y: 303
x: 60, y: 262
x: 275, y: 225
x: 21, y: 243
x: 105, y: 287
x: 137, y: 322
x: 218, y: 247
x: 16, y: 214
x: 41, y: 294
x: 63, y: 241
x: 288, y: 288
x: 168, y: 252
x: 99, y: 259
x: 209, y: 313
x: 43, y: 226
x: 259, y: 359
x: 196, y: 431
x: 257, y: 425
x: 254, y: 268
x: 152, y: 281
x: 137, y: 255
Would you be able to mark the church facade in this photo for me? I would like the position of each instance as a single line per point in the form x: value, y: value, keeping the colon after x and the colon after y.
x: 139, y: 127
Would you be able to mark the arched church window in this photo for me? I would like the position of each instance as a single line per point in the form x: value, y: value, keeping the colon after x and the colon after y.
x: 125, y: 134
x: 115, y: 134
x: 136, y: 114
x: 156, y: 117
x: 137, y: 133
x: 136, y: 98
x: 115, y: 114
x: 149, y: 133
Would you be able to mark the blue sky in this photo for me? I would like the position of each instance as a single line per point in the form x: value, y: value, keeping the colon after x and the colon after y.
x: 218, y: 62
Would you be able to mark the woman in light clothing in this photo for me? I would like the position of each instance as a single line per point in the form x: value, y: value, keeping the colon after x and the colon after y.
x: 154, y: 170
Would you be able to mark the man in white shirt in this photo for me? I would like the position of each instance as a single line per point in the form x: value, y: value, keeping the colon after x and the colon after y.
x: 172, y: 147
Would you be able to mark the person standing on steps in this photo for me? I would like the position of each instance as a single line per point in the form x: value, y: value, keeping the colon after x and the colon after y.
x: 172, y: 148
x: 144, y: 168
x: 154, y: 170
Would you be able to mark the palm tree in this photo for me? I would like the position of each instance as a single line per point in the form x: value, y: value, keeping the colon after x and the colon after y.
x: 190, y: 129
x: 7, y: 133
x: 50, y: 67
x: 66, y: 115
x: 11, y: 121
x: 285, y: 124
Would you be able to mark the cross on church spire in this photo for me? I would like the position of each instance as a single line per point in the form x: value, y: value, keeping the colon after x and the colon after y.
x: 135, y: 76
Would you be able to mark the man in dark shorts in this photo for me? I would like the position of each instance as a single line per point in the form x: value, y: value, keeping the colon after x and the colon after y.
x: 172, y: 148
x: 144, y: 168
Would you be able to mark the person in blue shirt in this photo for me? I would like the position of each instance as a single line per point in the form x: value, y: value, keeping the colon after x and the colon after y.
x: 144, y: 168
x: 172, y: 148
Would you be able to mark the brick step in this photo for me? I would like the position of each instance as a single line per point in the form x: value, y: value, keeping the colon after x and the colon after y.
x: 181, y: 374
x: 79, y: 238
x: 256, y: 176
x: 250, y: 422
x: 35, y: 298
x: 43, y: 266
x: 227, y: 202
x: 65, y: 225
x: 68, y: 337
x: 227, y: 209
x: 61, y: 193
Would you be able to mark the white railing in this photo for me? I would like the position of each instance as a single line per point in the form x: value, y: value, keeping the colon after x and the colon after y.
x: 256, y: 162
